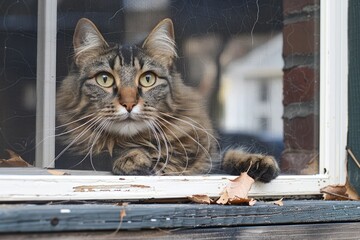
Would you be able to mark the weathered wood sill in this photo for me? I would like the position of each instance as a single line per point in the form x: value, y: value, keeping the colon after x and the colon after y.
x: 85, y: 217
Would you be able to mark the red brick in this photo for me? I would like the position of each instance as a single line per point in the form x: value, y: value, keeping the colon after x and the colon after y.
x: 301, y: 84
x: 301, y: 133
x: 301, y: 38
x: 300, y: 162
x: 293, y: 6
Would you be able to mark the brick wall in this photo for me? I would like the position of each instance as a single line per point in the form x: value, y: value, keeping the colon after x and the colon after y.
x: 301, y: 86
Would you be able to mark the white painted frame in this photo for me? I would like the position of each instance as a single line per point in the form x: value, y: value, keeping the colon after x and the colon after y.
x: 333, y: 132
x: 46, y: 83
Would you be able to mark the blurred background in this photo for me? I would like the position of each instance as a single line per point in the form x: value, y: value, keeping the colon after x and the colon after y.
x: 230, y: 50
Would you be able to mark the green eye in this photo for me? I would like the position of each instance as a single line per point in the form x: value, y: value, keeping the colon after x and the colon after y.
x: 105, y: 79
x: 147, y: 79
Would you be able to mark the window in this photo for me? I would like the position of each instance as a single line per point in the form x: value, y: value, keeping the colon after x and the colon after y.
x: 263, y: 124
x: 264, y: 91
x: 209, y: 60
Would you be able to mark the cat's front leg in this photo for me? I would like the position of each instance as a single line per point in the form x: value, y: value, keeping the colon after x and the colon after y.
x: 133, y: 162
x: 260, y: 167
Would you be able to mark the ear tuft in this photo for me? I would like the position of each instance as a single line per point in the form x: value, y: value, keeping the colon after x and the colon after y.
x: 87, y: 40
x: 160, y: 44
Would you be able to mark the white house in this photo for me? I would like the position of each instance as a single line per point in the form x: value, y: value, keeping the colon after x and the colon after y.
x: 251, y: 91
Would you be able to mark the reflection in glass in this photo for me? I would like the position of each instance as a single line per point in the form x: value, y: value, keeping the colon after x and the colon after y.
x: 233, y: 52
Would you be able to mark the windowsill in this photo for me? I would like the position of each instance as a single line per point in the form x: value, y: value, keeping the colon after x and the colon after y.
x: 59, y: 217
x: 77, y: 215
x: 21, y: 185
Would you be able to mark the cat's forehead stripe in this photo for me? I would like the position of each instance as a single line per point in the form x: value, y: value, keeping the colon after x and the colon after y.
x: 112, y: 62
x: 116, y: 69
x: 141, y: 63
x: 126, y: 53
x: 116, y: 63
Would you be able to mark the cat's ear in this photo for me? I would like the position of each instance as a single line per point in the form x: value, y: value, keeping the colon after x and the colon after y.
x: 87, y: 40
x: 160, y: 44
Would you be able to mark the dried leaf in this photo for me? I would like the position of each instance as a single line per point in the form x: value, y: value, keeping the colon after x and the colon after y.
x: 240, y: 186
x: 224, y: 198
x: 252, y: 202
x: 57, y: 172
x: 236, y: 192
x: 122, y: 214
x: 198, y: 198
x: 14, y: 161
x: 279, y: 202
x: 241, y: 201
x: 339, y: 192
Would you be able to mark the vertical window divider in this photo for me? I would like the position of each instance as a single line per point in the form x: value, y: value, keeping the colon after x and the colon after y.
x: 333, y: 94
x: 46, y: 83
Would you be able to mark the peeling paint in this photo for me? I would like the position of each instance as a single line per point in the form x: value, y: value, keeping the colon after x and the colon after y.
x: 109, y: 188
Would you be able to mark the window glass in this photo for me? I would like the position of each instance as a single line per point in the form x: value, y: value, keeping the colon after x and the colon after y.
x: 18, y: 44
x: 254, y: 62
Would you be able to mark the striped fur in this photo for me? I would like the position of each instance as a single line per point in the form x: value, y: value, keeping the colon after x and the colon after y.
x: 142, y: 126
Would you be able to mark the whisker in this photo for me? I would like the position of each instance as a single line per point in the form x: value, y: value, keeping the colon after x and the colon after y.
x: 93, y: 139
x: 194, y: 127
x: 82, y: 133
x: 156, y: 135
x: 187, y: 134
x: 90, y: 152
x: 74, y: 129
x: 82, y: 160
x: 166, y: 142
x: 199, y: 128
x: 206, y: 152
x: 77, y: 120
x: 182, y: 145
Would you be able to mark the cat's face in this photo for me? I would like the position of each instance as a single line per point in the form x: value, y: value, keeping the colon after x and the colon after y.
x: 124, y: 87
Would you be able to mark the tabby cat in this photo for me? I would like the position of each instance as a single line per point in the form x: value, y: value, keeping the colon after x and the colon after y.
x: 129, y: 106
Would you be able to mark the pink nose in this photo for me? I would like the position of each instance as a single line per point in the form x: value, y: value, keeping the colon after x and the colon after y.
x: 129, y: 106
x: 128, y: 97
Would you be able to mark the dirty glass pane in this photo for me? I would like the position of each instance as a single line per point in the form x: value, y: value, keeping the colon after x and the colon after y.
x: 18, y: 39
x: 254, y: 62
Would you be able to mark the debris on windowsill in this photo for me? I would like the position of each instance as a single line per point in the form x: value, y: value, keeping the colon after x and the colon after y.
x: 203, y: 199
x: 278, y: 202
x: 353, y: 157
x: 14, y: 160
x: 342, y: 192
x: 57, y: 172
x: 235, y: 193
x: 339, y: 192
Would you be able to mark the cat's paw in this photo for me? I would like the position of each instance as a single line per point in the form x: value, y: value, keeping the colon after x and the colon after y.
x: 134, y: 162
x: 262, y: 168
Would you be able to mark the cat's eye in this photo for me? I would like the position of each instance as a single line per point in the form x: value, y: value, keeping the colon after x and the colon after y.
x: 147, y: 79
x: 105, y: 79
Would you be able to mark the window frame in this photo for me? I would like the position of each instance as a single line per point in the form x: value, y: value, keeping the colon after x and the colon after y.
x: 46, y: 84
x: 332, y: 149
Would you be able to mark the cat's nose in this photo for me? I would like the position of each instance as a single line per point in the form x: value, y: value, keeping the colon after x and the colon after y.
x: 129, y: 106
x: 128, y: 98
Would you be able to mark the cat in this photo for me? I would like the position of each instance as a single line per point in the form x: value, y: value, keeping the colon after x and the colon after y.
x: 129, y: 105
